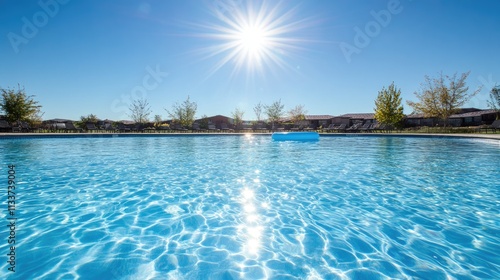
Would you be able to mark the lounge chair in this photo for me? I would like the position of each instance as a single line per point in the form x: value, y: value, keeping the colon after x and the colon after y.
x: 374, y: 127
x: 381, y: 127
x: 341, y: 127
x: 247, y: 128
x: 16, y: 128
x: 329, y: 128
x: 71, y: 127
x: 25, y: 127
x: 59, y: 127
x: 138, y: 127
x: 163, y: 128
x: 389, y: 128
x: 260, y: 127
x: 122, y: 127
x: 224, y: 127
x: 238, y: 127
x: 385, y: 128
x: 179, y: 127
x: 494, y: 126
x: 5, y: 126
x: 211, y: 127
x: 308, y: 128
x: 108, y: 127
x: 365, y: 127
x: 354, y: 128
x: 91, y: 127
x: 196, y: 127
x: 149, y: 129
x: 297, y: 128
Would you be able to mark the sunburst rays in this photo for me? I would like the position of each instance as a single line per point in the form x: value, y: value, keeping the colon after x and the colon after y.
x: 253, y: 38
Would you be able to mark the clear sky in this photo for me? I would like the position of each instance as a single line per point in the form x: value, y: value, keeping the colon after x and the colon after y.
x: 332, y: 56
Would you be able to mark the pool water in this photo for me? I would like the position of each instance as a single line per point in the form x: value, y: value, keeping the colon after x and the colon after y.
x: 245, y: 207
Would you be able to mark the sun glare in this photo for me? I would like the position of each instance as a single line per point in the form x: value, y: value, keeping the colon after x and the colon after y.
x: 253, y: 37
x: 253, y: 40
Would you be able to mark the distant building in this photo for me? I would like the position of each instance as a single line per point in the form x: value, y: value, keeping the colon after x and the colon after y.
x: 464, y: 117
x: 217, y: 120
x: 315, y: 121
x: 414, y: 120
x: 318, y: 120
x: 350, y: 119
x: 473, y: 118
x: 310, y: 121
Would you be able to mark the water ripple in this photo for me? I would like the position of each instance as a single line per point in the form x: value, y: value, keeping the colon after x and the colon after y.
x: 250, y: 208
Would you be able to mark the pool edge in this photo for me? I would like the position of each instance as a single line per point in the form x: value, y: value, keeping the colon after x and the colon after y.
x: 111, y: 135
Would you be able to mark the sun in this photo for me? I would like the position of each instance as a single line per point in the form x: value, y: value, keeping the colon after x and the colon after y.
x: 253, y: 44
x: 253, y: 40
x: 255, y: 37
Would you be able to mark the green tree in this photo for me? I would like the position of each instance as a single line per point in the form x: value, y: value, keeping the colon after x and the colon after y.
x: 140, y: 110
x: 443, y: 96
x: 297, y: 114
x: 494, y: 101
x: 183, y: 113
x: 388, y: 107
x: 87, y: 119
x: 237, y: 115
x: 18, y: 106
x: 274, y: 112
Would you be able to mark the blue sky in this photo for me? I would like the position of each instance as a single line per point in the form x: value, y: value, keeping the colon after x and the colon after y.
x: 96, y: 56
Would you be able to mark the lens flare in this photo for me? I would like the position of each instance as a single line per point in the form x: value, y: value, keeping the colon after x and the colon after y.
x: 253, y: 37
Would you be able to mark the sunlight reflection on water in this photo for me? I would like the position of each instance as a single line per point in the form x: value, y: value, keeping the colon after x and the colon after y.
x: 246, y: 207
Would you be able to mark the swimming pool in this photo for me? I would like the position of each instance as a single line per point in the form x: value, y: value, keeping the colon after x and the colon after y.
x: 245, y: 207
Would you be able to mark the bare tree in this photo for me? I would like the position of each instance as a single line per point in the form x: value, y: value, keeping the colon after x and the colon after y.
x: 36, y: 117
x: 140, y: 110
x: 274, y: 112
x: 238, y: 117
x: 258, y: 111
x: 494, y: 101
x: 443, y: 96
x: 183, y: 113
x: 297, y: 114
x: 204, y: 122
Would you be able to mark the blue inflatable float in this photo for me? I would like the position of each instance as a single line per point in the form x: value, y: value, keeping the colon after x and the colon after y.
x: 295, y: 136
